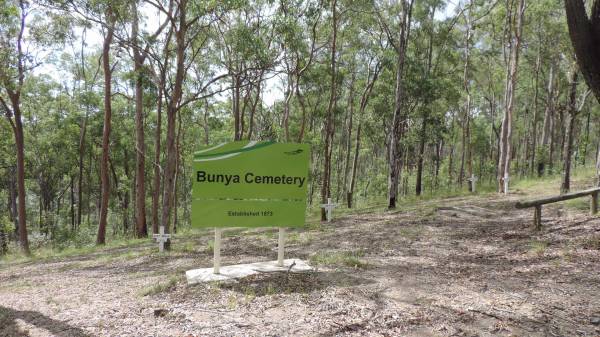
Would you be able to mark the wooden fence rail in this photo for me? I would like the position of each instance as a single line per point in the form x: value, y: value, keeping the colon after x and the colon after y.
x: 537, y: 203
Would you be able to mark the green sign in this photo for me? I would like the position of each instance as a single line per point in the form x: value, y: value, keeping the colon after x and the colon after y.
x: 250, y: 184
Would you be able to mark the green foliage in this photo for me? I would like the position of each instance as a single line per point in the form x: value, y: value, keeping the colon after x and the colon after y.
x: 284, y: 46
x: 352, y: 259
x: 160, y: 287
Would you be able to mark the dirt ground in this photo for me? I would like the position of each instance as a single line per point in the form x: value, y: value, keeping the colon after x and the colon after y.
x: 468, y: 266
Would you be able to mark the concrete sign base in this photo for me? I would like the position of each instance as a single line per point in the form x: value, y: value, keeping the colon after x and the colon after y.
x: 231, y: 273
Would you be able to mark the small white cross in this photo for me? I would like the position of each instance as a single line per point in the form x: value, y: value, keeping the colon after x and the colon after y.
x: 473, y: 181
x: 161, y: 238
x: 506, y: 180
x: 329, y: 206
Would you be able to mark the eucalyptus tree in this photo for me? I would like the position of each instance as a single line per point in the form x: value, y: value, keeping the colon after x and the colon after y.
x: 574, y: 108
x: 109, y: 17
x: 190, y: 24
x: 140, y: 46
x: 585, y: 37
x: 329, y: 128
x: 399, y: 40
x: 514, y: 44
x: 296, y: 25
x: 13, y: 68
x: 244, y: 38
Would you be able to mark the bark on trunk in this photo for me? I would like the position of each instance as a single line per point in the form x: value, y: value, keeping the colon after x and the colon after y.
x: 349, y: 135
x: 548, y: 123
x: 325, y: 188
x: 172, y: 111
x: 585, y: 37
x: 104, y: 174
x: 511, y: 82
x: 363, y: 105
x: 399, y: 119
x: 569, y: 135
x: 420, y: 158
x: 534, y: 122
x: 23, y: 239
x: 14, y: 118
x: 140, y: 180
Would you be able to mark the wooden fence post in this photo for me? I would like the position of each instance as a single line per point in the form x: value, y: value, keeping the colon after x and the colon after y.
x: 537, y: 217
x: 594, y: 203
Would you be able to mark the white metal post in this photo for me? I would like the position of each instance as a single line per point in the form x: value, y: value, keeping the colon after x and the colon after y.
x: 329, y: 209
x: 281, y: 246
x: 506, y: 180
x: 217, y: 251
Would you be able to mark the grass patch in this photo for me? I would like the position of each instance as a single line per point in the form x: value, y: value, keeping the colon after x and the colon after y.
x: 121, y: 255
x: 592, y: 242
x: 347, y: 259
x: 581, y: 204
x: 187, y: 247
x: 16, y: 285
x: 538, y: 247
x: 411, y: 233
x: 160, y: 287
x: 47, y: 253
x: 210, y: 247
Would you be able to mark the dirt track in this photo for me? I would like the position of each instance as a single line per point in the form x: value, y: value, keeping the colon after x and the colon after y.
x: 468, y: 267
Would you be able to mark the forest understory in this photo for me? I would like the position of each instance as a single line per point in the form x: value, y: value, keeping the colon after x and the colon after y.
x: 462, y: 266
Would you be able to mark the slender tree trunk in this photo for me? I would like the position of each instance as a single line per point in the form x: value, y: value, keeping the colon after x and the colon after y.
x: 82, y: 133
x: 349, y: 135
x: 157, y: 167
x: 12, y: 200
x: 399, y: 119
x: 569, y: 134
x: 14, y: 117
x: 511, y: 82
x: 105, y: 183
x: 587, y: 138
x: 176, y: 182
x: 548, y: 123
x: 24, y: 241
x: 3, y: 241
x: 350, y: 193
x: 172, y: 111
x: 286, y: 107
x: 72, y: 188
x: 302, y: 104
x: 363, y: 105
x: 326, y: 179
x: 534, y: 122
x: 466, y: 129
x: 235, y: 102
x: 420, y: 157
x: 140, y: 180
x: 254, y: 105
x: 598, y: 165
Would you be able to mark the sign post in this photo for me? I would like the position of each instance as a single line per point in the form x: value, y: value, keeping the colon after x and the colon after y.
x: 217, y: 251
x: 281, y: 246
x: 250, y: 184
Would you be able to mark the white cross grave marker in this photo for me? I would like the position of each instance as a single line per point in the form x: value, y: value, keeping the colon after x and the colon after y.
x: 329, y: 206
x: 161, y: 238
x: 506, y: 180
x: 473, y: 181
